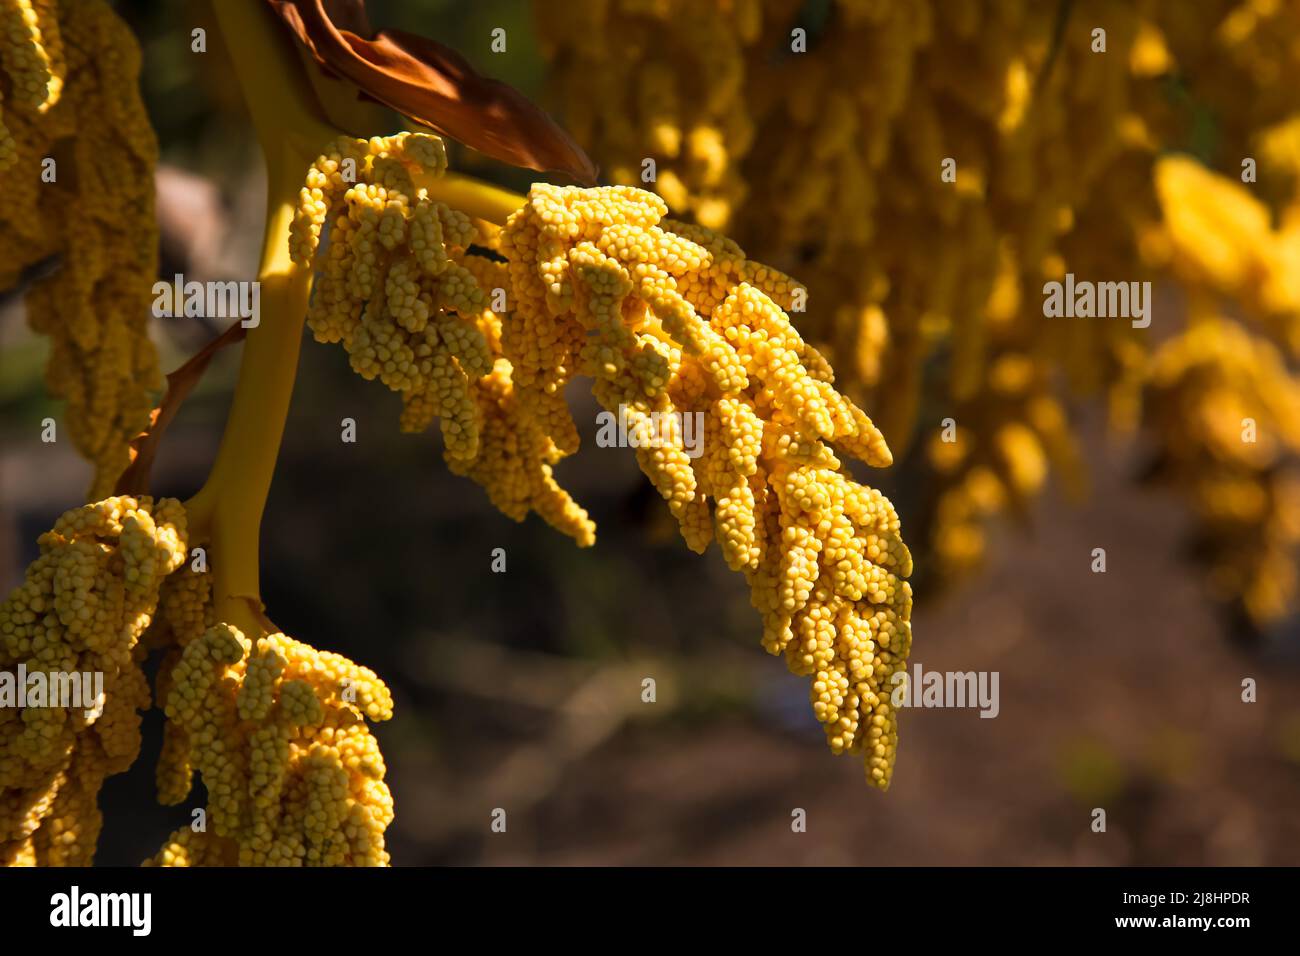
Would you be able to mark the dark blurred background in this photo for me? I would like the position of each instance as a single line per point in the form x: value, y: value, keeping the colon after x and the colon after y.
x: 522, y: 690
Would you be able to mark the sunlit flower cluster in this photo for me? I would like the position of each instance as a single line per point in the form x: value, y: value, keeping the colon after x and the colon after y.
x: 734, y: 418
x: 735, y: 421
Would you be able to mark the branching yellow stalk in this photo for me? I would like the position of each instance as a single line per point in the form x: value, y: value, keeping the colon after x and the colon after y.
x: 227, y: 511
x: 472, y: 197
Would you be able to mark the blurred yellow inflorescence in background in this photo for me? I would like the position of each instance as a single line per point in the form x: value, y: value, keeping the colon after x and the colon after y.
x: 817, y: 135
x: 78, y: 156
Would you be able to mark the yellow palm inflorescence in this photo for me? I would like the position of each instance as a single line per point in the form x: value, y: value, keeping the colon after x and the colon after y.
x: 277, y: 729
x: 390, y: 287
x: 924, y: 287
x: 79, y: 157
x: 677, y: 327
x: 685, y: 338
x: 398, y: 287
x: 82, y: 609
x: 1228, y: 413
x: 31, y: 54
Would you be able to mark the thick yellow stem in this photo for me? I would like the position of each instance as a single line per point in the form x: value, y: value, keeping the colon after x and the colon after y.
x: 472, y: 197
x: 278, y: 94
x: 232, y: 501
x: 227, y: 511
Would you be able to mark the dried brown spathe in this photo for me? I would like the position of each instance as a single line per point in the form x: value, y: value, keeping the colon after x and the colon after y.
x: 433, y: 85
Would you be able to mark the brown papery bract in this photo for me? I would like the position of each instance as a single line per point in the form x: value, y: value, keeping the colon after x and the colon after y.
x: 435, y: 86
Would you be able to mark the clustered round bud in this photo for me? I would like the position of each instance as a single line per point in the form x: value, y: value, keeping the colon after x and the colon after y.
x: 77, y: 619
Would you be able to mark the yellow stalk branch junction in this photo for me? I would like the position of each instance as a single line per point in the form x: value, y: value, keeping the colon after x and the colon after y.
x: 227, y: 511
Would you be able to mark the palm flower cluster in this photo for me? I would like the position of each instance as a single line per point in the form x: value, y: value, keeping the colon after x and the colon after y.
x: 78, y: 155
x: 671, y: 321
x: 985, y: 149
x: 391, y: 288
x: 276, y: 729
x: 674, y: 325
x: 82, y: 609
x: 398, y: 287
